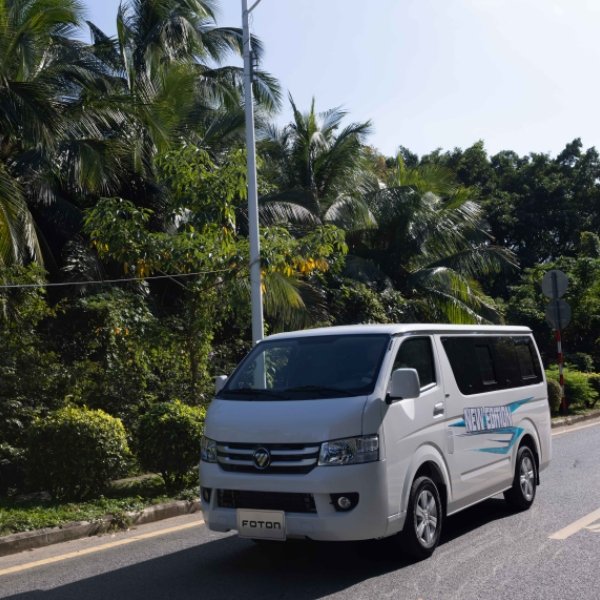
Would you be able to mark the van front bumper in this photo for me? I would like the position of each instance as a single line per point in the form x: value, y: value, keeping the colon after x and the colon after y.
x: 367, y: 520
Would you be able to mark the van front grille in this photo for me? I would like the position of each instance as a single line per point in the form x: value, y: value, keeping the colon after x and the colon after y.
x: 281, y: 458
x: 287, y: 502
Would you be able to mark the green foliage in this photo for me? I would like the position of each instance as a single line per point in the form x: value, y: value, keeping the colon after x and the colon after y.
x: 207, y: 192
x: 527, y: 305
x: 354, y: 302
x: 32, y: 378
x: 589, y: 245
x: 397, y: 308
x: 74, y: 452
x: 320, y: 171
x: 537, y: 205
x: 580, y: 390
x: 142, y: 486
x: 580, y: 361
x: 12, y: 468
x: 107, y: 342
x: 430, y: 243
x: 168, y: 441
x: 594, y: 381
x: 554, y: 395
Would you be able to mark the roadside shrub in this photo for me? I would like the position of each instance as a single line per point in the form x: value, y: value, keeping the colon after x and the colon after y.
x: 554, y: 395
x: 74, y: 452
x: 594, y: 381
x: 168, y: 441
x: 579, y: 390
x: 12, y: 468
x: 581, y: 361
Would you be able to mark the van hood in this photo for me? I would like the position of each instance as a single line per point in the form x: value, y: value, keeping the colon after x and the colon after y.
x: 290, y: 421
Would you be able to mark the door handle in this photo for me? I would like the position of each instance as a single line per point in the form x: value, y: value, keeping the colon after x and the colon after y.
x: 438, y: 409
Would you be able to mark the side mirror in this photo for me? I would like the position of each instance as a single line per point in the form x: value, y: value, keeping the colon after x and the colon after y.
x: 220, y: 382
x: 404, y: 385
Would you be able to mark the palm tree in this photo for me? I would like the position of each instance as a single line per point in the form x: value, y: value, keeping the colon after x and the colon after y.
x: 32, y: 36
x: 431, y: 244
x: 319, y: 170
x: 163, y: 64
x: 50, y: 137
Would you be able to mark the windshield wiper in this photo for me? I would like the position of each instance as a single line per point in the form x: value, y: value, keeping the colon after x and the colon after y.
x: 320, y: 389
x: 246, y: 391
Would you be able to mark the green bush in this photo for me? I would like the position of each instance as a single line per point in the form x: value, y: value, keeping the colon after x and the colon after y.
x: 579, y: 389
x: 12, y: 468
x: 168, y: 441
x: 581, y: 361
x: 594, y: 381
x: 554, y: 395
x: 74, y: 452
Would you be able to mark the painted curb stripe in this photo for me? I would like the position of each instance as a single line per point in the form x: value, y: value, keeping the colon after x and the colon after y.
x: 86, y: 551
x: 573, y: 428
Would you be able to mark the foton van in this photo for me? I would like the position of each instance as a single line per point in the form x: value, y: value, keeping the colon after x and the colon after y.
x: 359, y: 432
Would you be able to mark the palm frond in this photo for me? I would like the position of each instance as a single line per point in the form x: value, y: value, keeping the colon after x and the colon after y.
x: 350, y: 214
x: 453, y: 296
x: 18, y: 236
x: 281, y: 213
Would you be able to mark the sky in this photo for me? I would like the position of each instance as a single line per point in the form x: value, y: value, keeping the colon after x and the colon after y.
x: 520, y: 75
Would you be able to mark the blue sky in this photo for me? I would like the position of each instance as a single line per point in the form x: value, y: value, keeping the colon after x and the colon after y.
x: 520, y: 74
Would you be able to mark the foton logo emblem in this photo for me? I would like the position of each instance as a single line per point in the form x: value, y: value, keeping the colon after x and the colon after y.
x: 261, y: 524
x: 262, y: 458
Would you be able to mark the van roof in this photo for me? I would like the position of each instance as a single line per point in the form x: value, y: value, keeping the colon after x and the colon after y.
x: 403, y: 328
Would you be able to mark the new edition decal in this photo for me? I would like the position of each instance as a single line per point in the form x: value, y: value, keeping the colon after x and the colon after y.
x: 492, y: 419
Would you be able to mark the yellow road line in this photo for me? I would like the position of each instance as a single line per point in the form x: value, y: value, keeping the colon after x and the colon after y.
x: 85, y: 551
x: 571, y: 428
x: 576, y: 526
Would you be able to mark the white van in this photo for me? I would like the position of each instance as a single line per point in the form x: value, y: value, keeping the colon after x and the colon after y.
x: 360, y: 432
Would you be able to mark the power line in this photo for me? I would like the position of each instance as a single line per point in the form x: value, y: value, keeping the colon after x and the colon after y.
x: 6, y: 286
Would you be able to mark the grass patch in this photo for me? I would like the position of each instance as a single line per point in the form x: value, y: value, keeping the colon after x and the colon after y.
x: 123, y: 496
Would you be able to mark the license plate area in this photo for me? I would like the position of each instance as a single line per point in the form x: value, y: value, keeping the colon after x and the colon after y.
x: 261, y: 524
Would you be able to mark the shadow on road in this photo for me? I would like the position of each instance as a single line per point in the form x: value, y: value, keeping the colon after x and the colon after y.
x: 235, y: 568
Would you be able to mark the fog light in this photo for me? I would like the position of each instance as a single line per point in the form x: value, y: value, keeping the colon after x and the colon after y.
x: 205, y: 492
x: 344, y: 502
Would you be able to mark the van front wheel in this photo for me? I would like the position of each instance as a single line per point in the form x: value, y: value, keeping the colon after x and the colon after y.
x: 522, y: 493
x: 423, y: 524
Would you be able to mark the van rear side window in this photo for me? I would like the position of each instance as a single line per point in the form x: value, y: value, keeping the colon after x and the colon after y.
x: 484, y: 364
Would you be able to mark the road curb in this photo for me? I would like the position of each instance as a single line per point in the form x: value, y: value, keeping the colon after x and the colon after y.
x: 28, y: 540
x: 562, y: 421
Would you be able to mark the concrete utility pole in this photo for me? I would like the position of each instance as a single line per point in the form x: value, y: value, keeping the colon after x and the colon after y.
x: 255, y: 273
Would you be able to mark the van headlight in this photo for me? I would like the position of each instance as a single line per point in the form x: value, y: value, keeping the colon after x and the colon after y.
x: 349, y: 451
x: 208, y: 450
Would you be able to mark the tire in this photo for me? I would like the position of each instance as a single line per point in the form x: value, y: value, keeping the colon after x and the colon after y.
x: 423, y: 525
x: 522, y: 493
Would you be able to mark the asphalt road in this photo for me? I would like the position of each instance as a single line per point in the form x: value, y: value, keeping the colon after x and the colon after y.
x: 486, y: 552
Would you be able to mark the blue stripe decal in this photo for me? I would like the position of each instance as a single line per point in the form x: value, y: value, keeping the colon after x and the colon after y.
x: 510, y: 443
x: 513, y: 406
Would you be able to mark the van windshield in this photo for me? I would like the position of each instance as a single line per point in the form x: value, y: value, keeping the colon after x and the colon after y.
x: 310, y: 367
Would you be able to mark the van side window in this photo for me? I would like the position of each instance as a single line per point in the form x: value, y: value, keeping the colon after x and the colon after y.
x: 416, y: 353
x: 527, y: 359
x: 486, y: 364
x: 483, y: 364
